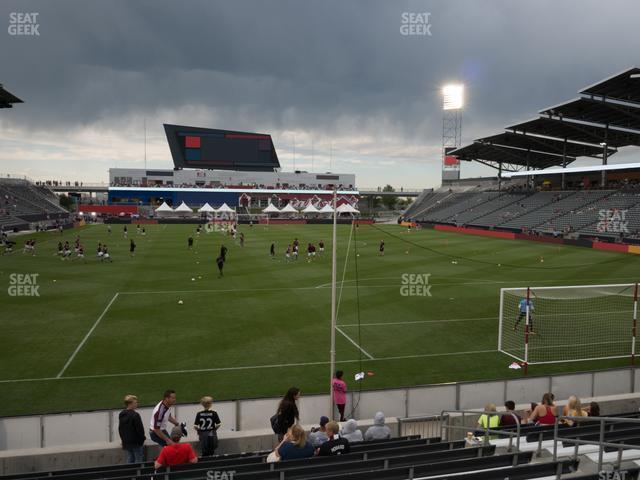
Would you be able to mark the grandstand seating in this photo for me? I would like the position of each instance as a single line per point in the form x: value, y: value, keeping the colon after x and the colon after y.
x: 527, y: 203
x: 405, y: 457
x: 449, y: 209
x: 22, y: 202
x: 398, y: 458
x: 496, y: 204
x: 546, y: 211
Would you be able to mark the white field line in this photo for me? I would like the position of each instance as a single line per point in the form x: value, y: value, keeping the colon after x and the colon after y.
x: 419, y: 322
x: 344, y: 272
x: 86, y: 337
x: 249, y: 367
x: 355, y: 344
x: 482, y: 282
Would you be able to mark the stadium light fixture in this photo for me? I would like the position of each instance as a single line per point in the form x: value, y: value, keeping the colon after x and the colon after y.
x: 453, y: 97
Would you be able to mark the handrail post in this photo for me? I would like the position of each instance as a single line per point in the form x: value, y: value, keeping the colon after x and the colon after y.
x: 518, y: 427
x: 555, y: 440
x: 601, y: 446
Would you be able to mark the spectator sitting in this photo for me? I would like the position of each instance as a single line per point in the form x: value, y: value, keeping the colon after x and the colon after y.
x: 131, y: 430
x: 319, y: 435
x: 336, y: 445
x: 379, y: 431
x: 488, y: 419
x: 294, y: 445
x: 545, y: 411
x: 350, y: 431
x: 570, y: 402
x: 176, y: 453
x: 594, y: 409
x: 508, y: 420
x: 575, y: 410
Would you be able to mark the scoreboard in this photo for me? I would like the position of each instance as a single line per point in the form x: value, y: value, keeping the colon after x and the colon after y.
x: 202, y: 148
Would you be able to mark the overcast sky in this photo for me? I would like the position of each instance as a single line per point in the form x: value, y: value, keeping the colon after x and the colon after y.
x: 330, y: 76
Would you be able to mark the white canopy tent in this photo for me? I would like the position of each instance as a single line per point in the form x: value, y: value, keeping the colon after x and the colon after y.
x: 311, y: 208
x: 346, y: 208
x: 288, y: 208
x: 271, y: 208
x: 183, y: 210
x: 206, y: 208
x: 225, y: 209
x: 164, y: 208
x: 326, y: 209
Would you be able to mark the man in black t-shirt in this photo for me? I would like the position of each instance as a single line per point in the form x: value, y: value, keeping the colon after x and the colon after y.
x: 336, y: 445
x: 206, y: 424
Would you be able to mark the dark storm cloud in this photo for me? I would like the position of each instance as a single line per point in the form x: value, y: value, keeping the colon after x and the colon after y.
x: 278, y: 65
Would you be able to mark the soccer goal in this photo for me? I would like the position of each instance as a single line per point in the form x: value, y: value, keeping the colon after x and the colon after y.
x: 568, y: 324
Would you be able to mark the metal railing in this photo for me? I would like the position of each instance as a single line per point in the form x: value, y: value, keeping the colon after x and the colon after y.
x: 600, y: 443
x: 428, y: 426
x: 448, y: 415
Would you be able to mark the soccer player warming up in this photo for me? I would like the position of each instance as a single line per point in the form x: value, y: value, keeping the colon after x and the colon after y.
x: 220, y: 263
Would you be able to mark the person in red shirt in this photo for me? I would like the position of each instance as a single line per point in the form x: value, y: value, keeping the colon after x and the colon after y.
x: 177, y: 453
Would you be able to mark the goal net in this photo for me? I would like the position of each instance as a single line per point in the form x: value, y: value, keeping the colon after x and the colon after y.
x: 568, y: 324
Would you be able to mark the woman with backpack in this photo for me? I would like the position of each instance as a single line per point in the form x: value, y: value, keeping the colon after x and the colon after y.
x: 287, y: 414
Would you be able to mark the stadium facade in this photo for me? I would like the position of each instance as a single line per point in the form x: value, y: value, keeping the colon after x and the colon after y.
x: 224, y: 166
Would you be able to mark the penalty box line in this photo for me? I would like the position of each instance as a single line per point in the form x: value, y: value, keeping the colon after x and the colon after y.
x: 86, y: 337
x: 367, y: 354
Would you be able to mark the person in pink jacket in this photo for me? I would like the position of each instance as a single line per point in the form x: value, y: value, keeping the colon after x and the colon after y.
x: 339, y: 388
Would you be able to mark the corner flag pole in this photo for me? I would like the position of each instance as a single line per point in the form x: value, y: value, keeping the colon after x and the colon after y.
x: 333, y: 303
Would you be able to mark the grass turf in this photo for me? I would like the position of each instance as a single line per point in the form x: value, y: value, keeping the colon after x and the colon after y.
x: 264, y: 326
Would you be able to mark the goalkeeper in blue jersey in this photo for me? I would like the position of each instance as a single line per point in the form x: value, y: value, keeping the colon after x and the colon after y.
x: 522, y: 313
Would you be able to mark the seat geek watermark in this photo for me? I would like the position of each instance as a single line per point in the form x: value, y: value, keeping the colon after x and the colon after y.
x: 612, y: 475
x: 612, y: 221
x: 24, y: 24
x: 220, y: 474
x: 23, y: 285
x: 415, y: 24
x: 415, y: 285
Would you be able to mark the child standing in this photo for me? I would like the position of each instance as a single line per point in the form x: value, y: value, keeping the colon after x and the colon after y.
x: 206, y: 424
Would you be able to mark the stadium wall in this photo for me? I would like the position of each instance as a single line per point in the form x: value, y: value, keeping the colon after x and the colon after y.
x: 476, y: 231
x: 100, y: 427
x: 582, y: 242
x: 108, y: 209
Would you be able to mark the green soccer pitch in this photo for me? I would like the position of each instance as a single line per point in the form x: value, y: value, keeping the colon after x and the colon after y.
x: 98, y: 331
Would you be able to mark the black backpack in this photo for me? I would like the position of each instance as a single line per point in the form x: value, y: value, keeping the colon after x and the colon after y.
x: 276, y: 424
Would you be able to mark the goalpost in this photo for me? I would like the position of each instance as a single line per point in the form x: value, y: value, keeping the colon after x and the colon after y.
x: 568, y: 324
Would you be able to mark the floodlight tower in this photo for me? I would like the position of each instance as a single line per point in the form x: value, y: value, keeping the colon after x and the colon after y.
x: 452, y: 105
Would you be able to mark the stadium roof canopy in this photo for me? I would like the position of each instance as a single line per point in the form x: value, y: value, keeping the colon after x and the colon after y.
x: 562, y: 128
x: 623, y: 86
x: 607, y: 118
x: 516, y: 150
x: 586, y: 169
x: 597, y: 111
x: 507, y: 157
x: 7, y: 99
